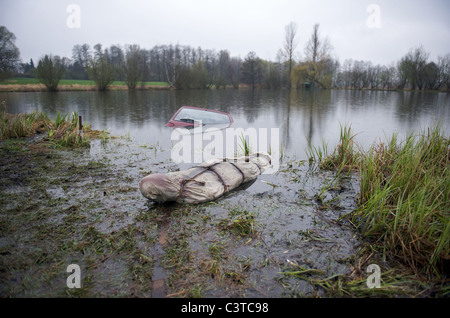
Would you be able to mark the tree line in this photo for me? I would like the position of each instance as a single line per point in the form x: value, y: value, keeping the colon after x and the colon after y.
x: 186, y: 67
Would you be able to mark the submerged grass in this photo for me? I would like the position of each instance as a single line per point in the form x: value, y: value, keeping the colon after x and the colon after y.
x: 344, y: 157
x: 245, y: 146
x: 404, y: 195
x: 241, y: 222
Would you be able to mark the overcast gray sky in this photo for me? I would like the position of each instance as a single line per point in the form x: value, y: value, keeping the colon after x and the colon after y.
x: 356, y: 29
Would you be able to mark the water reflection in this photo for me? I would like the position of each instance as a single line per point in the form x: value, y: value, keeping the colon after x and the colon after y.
x: 298, y: 114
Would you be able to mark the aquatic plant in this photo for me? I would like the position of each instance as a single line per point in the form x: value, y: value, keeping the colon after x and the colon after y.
x: 344, y: 156
x: 404, y: 195
x: 244, y: 145
x: 240, y: 222
x: 404, y: 198
x: 63, y: 132
x: 316, y: 154
x: 21, y: 125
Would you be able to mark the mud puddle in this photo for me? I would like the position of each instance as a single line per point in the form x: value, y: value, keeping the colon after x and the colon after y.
x: 267, y: 239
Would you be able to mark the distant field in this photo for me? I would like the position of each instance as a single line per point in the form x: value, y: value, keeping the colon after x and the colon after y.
x: 32, y: 81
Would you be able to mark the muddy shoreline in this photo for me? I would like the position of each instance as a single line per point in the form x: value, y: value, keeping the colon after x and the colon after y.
x: 62, y: 207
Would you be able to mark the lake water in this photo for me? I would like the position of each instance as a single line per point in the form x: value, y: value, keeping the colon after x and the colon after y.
x: 298, y: 115
x: 292, y: 225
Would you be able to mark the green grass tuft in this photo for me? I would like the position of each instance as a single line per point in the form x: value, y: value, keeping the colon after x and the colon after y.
x: 404, y: 199
x: 63, y: 132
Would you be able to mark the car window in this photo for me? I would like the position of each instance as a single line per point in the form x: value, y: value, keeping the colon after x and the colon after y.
x: 190, y: 115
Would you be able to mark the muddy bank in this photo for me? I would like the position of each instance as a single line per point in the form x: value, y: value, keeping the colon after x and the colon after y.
x: 280, y: 236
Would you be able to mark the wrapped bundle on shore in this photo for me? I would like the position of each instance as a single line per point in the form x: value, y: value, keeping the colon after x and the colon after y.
x: 205, y: 182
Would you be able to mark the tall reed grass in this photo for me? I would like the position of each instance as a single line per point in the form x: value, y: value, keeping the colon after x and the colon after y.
x: 62, y: 132
x: 404, y: 200
x: 344, y: 156
x: 22, y: 125
x: 65, y: 132
x: 244, y: 145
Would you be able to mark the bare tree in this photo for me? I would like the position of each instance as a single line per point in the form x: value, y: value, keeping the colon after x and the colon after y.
x: 312, y: 49
x: 419, y: 59
x: 317, y: 53
x: 346, y: 72
x: 234, y: 71
x: 222, y: 67
x: 9, y: 53
x: 211, y: 61
x: 252, y: 69
x: 387, y: 77
x: 444, y: 70
x: 133, y: 65
x: 144, y: 66
x: 290, y: 44
x: 50, y: 70
x: 432, y: 76
x: 170, y: 58
x: 272, y: 77
x: 81, y: 54
x: 101, y: 69
x: 373, y: 75
x: 155, y: 64
x: 357, y: 75
x: 116, y: 56
x: 411, y: 68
